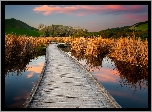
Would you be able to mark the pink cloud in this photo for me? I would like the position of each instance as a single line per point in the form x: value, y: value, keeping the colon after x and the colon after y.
x: 81, y: 10
x: 46, y: 10
x: 136, y: 7
x: 30, y: 75
x: 19, y: 99
x: 116, y: 7
x: 117, y: 93
x: 106, y: 75
x: 143, y: 17
x: 37, y: 69
x: 47, y: 13
x: 24, y: 95
x: 106, y: 78
x: 125, y: 7
x: 80, y: 14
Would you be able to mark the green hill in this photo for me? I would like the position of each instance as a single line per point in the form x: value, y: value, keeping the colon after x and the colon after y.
x: 139, y: 30
x: 18, y: 27
x: 140, y: 26
x: 13, y: 23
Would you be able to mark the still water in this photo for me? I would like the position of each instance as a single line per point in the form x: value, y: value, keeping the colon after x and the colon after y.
x: 19, y: 83
x: 127, y: 84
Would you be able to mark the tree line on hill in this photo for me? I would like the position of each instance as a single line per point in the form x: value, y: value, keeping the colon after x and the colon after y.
x: 65, y: 31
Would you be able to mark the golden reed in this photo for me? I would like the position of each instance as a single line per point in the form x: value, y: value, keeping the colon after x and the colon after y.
x: 123, y: 49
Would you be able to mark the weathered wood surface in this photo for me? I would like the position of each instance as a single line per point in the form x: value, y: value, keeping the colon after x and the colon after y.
x: 67, y: 84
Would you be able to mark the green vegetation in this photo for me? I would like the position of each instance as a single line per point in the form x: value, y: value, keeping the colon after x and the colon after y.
x: 22, y: 32
x: 13, y: 26
x: 138, y: 30
x: 13, y: 23
x: 20, y: 28
x: 141, y: 27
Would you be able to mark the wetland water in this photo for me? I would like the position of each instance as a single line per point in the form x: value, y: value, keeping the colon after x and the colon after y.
x: 19, y: 82
x: 127, y: 84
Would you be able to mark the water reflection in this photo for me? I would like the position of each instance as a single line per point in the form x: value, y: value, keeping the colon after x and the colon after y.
x: 21, y: 74
x: 18, y: 63
x: 131, y: 75
x: 20, y: 86
x: 91, y: 62
x: 19, y: 99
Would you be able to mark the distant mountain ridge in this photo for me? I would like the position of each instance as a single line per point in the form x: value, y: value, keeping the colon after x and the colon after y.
x: 13, y: 23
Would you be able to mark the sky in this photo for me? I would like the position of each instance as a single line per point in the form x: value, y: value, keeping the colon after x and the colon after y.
x: 90, y: 17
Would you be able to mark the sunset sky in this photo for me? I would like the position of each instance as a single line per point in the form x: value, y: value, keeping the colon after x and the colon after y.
x: 91, y: 17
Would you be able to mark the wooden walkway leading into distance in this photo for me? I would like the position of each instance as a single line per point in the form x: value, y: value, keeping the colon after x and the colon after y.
x: 64, y: 83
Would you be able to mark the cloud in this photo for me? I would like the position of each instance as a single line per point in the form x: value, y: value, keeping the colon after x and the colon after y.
x: 106, y: 75
x: 22, y: 95
x: 19, y: 99
x: 117, y: 93
x: 36, y: 68
x: 129, y: 9
x: 81, y: 14
x: 107, y: 78
x: 30, y: 75
x: 81, y: 10
x: 137, y: 17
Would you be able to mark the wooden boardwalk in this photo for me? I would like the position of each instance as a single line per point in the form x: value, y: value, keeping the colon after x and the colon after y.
x: 64, y: 83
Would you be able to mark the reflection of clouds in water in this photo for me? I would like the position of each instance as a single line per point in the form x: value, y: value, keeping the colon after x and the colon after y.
x: 30, y: 75
x: 118, y: 93
x: 36, y: 61
x: 18, y: 104
x: 15, y: 99
x: 37, y: 69
x: 128, y: 94
x: 36, y: 65
x: 104, y: 74
x: 107, y: 76
x: 20, y: 99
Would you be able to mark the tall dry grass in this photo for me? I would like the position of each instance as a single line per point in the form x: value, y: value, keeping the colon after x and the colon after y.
x: 129, y: 50
x: 123, y: 49
x: 17, y: 46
